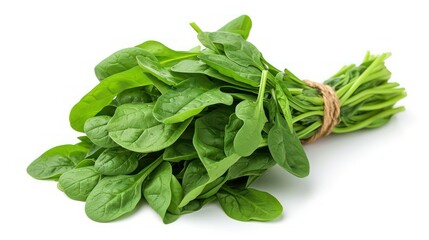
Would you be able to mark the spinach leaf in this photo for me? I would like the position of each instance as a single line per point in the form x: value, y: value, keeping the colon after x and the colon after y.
x: 188, y: 99
x: 135, y: 128
x: 119, y: 61
x: 176, y: 195
x: 179, y: 151
x: 96, y: 130
x: 103, y: 94
x: 134, y: 95
x: 199, y: 67
x: 149, y: 64
x: 231, y: 129
x: 117, y: 195
x: 237, y: 49
x: 193, y: 182
x: 56, y: 161
x: 240, y: 25
x: 165, y: 55
x: 78, y: 183
x: 117, y: 161
x: 253, y: 165
x: 247, y: 75
x: 157, y: 188
x: 209, y: 142
x: 212, y: 163
x: 252, y: 115
x: 249, y: 204
x: 85, y: 163
x: 286, y: 148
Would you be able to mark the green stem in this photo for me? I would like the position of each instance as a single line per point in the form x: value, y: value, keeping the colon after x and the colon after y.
x: 368, y: 121
x: 261, y: 92
x: 195, y: 27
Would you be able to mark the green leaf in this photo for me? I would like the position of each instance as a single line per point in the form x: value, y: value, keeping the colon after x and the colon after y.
x: 249, y: 204
x: 135, y: 128
x: 209, y: 142
x: 117, y: 195
x: 119, y: 61
x: 252, y: 115
x: 117, y: 161
x: 152, y: 66
x: 179, y: 151
x: 56, y: 161
x: 188, y: 99
x: 237, y: 49
x: 241, y: 25
x: 85, y: 163
x: 103, y: 94
x: 78, y: 183
x: 199, y: 67
x: 286, y: 148
x: 253, y: 165
x: 134, y: 95
x: 231, y: 129
x: 157, y: 189
x: 165, y: 55
x: 194, y: 181
x: 247, y: 75
x: 96, y: 130
x: 176, y: 195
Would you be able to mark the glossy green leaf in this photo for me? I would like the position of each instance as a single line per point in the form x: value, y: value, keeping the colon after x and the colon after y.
x: 179, y: 151
x: 157, y: 188
x: 199, y: 67
x: 208, y: 141
x: 253, y: 165
x: 102, y: 94
x: 165, y: 55
x: 241, y: 25
x: 119, y: 61
x: 78, y: 183
x: 117, y: 161
x: 249, y: 204
x: 247, y: 75
x: 152, y: 66
x: 96, y: 130
x: 134, y: 95
x: 135, y: 128
x: 194, y: 181
x: 117, y: 195
x: 252, y: 115
x: 56, y: 161
x: 286, y: 148
x: 188, y: 99
x: 85, y: 163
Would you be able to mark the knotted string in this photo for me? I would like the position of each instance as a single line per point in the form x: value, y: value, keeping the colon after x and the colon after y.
x: 331, y: 110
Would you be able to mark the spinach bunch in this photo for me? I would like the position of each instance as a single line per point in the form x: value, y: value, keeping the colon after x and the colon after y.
x: 184, y: 128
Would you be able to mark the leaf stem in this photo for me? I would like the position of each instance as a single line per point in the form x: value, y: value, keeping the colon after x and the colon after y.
x: 262, y: 85
x: 195, y: 27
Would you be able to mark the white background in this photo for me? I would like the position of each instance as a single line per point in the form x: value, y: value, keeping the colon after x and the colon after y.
x: 371, y: 184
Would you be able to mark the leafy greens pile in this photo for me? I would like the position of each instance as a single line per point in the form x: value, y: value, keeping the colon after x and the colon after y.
x: 184, y: 128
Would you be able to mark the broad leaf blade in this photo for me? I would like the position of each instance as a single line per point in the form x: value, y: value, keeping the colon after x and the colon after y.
x: 157, y: 190
x: 56, y: 161
x: 135, y: 128
x: 286, y: 148
x: 119, y: 61
x: 188, y: 99
x: 249, y: 204
x: 241, y: 25
x: 103, y: 94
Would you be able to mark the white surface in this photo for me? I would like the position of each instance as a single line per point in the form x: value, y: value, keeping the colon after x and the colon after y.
x: 367, y: 185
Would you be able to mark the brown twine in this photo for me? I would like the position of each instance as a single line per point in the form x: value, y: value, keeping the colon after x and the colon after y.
x: 331, y: 110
